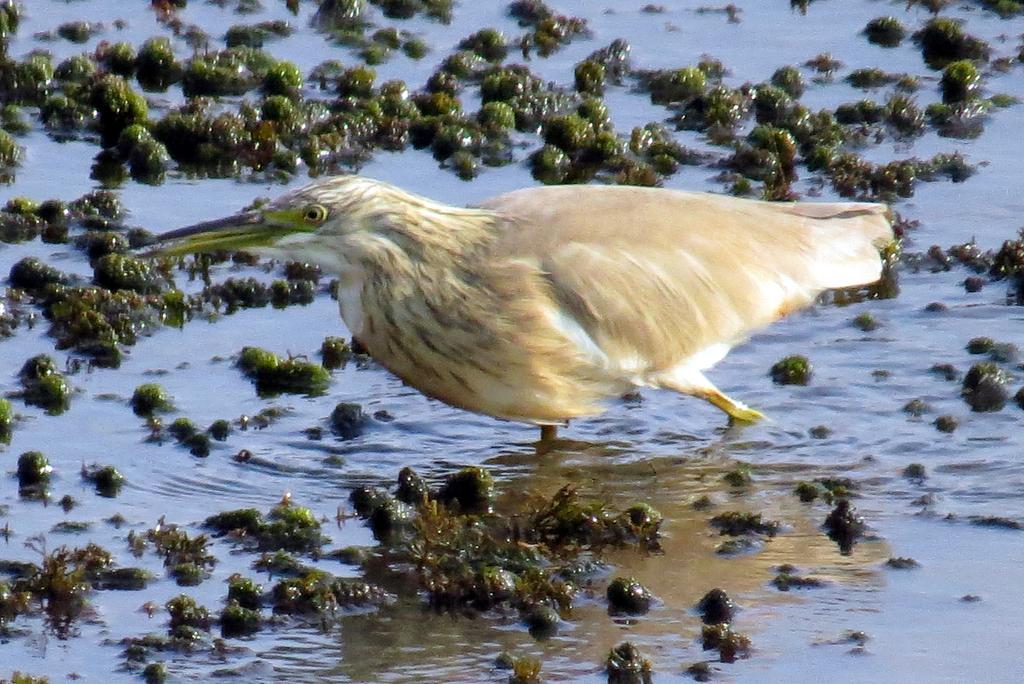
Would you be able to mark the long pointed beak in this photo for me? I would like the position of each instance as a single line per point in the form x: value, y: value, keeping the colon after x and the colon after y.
x: 244, y: 230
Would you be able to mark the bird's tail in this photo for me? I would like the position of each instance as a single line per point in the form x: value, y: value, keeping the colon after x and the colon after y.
x: 848, y: 240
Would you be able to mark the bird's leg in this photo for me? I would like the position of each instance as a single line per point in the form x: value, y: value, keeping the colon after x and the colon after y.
x: 695, y: 384
x: 548, y: 433
x: 737, y: 410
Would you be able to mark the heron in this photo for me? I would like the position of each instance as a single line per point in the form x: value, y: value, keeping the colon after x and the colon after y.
x: 542, y: 304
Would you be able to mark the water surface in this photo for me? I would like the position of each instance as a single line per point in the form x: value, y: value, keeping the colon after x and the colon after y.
x: 664, y: 449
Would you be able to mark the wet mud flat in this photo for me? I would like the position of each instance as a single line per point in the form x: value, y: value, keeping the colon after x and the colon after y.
x: 203, y: 478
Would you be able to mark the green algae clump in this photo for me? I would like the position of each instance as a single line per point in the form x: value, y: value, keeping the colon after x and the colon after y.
x: 182, y: 428
x: 10, y: 18
x: 885, y: 31
x: 219, y: 429
x: 525, y: 670
x: 348, y: 420
x: 222, y: 73
x: 334, y: 352
x: 915, y: 472
x: 6, y: 421
x: 146, y: 156
x: 625, y: 664
x: 549, y: 164
x: 58, y: 585
x: 565, y: 519
x: 980, y: 345
x: 844, y: 526
x: 245, y: 592
x: 77, y: 31
x: 122, y: 579
x: 865, y: 322
x: 736, y: 523
x: 807, y: 491
x: 903, y: 115
x: 870, y: 78
x: 643, y: 515
x: 1009, y: 263
x: 960, y: 82
x: 679, y: 85
x: 730, y: 644
x: 787, y: 580
x: 626, y: 595
x: 488, y: 43
x: 10, y: 152
x: 317, y: 593
x: 286, y: 528
x: 150, y: 398
x: 117, y: 107
x: 34, y: 470
x: 715, y: 607
x: 471, y: 488
x: 738, y: 476
x: 789, y: 79
x: 108, y: 480
x: 589, y: 77
x: 154, y: 673
x: 30, y: 273
x: 984, y: 387
x: 497, y: 116
x: 542, y: 621
x: 291, y: 528
x: 412, y: 489
x: 118, y: 58
x: 237, y: 620
x: 792, y: 370
x: 123, y: 272
x: 282, y: 78
x: 254, y: 35
x: 273, y: 375
x: 185, y: 557
x: 155, y: 66
x: 943, y: 40
x: 44, y: 386
x: 184, y: 611
x: 241, y: 521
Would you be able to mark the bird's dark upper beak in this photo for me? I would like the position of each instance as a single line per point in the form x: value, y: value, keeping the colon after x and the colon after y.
x: 245, y: 230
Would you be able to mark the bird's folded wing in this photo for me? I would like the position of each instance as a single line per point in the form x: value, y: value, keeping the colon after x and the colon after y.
x: 655, y: 277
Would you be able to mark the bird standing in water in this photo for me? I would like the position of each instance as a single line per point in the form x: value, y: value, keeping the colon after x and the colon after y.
x: 540, y: 304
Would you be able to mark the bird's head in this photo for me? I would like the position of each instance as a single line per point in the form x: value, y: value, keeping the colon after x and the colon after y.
x: 336, y: 222
x: 306, y: 224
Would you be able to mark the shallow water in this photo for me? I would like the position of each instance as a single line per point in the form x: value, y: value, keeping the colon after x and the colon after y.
x: 666, y: 450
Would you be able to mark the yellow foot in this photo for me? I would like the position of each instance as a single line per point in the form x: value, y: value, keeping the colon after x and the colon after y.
x: 736, y: 410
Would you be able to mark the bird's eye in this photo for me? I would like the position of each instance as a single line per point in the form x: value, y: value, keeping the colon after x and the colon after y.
x: 314, y: 214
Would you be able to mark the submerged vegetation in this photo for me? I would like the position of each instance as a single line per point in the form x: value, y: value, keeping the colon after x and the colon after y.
x: 338, y: 115
x: 273, y: 375
x: 465, y: 557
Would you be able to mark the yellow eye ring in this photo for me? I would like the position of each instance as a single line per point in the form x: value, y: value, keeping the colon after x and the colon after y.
x: 315, y: 214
